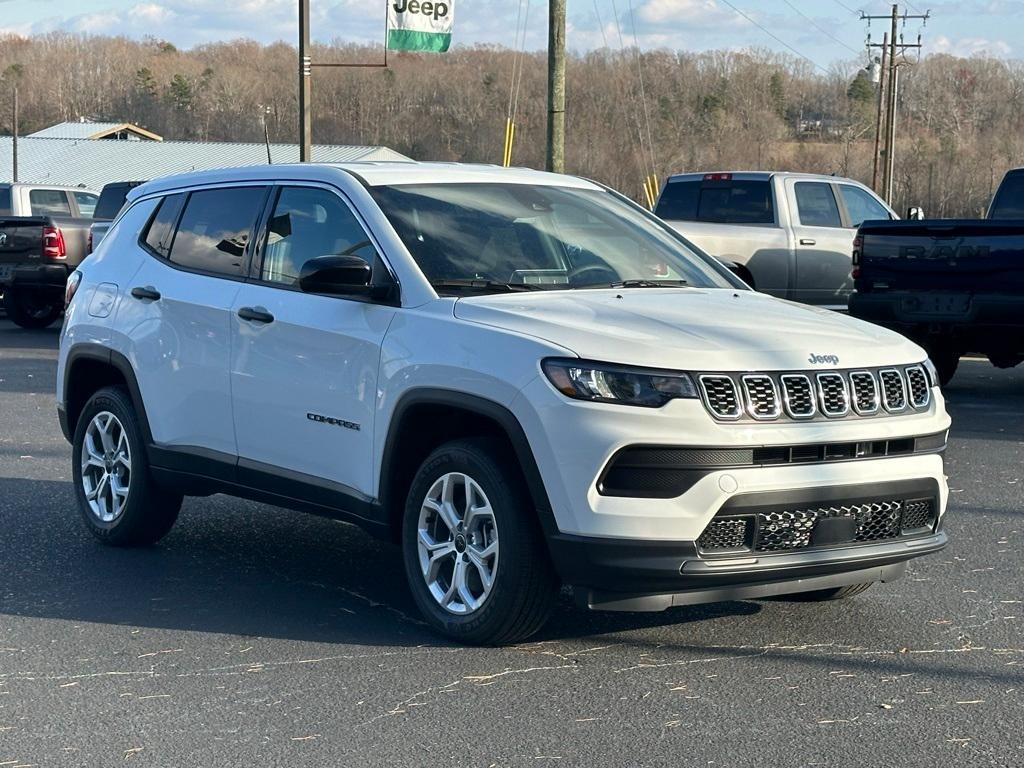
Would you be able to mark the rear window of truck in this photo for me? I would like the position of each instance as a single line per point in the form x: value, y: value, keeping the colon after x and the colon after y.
x: 1009, y: 200
x: 5, y: 201
x: 720, y: 202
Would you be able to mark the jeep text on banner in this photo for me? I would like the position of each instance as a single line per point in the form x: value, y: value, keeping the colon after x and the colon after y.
x: 420, y: 25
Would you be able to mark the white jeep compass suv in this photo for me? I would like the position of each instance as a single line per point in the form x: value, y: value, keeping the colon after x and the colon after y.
x: 524, y: 379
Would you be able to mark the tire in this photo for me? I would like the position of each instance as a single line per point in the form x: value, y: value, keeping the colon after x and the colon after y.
x: 30, y: 308
x: 946, y: 360
x: 144, y: 513
x: 1005, y: 360
x: 822, y: 595
x: 523, y: 586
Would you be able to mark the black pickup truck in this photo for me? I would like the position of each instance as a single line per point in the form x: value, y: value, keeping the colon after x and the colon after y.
x: 952, y: 285
x: 37, y: 253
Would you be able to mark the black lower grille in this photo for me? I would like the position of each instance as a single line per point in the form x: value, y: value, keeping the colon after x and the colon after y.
x: 784, y: 530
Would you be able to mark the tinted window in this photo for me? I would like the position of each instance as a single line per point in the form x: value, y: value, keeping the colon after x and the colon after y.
x: 861, y: 206
x: 816, y: 204
x: 308, y: 223
x: 1009, y: 202
x: 215, y: 229
x: 112, y: 199
x: 49, y: 202
x: 725, y: 202
x: 86, y: 202
x: 161, y: 226
x: 5, y: 201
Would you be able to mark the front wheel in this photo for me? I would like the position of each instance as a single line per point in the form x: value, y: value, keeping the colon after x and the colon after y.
x: 30, y: 308
x: 474, y: 554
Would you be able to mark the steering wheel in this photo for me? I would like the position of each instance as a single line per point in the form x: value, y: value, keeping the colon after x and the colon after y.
x: 601, y: 273
x: 353, y: 248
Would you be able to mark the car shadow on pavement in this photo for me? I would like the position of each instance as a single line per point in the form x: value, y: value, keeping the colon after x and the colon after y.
x: 239, y: 568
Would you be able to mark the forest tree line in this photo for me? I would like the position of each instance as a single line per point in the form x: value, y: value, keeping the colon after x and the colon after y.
x: 960, y: 120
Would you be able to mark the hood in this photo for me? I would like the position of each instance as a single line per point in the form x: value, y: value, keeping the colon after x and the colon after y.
x: 692, y: 329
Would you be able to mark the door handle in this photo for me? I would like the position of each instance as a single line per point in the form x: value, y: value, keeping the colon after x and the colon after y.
x: 146, y: 293
x: 808, y: 241
x: 255, y: 314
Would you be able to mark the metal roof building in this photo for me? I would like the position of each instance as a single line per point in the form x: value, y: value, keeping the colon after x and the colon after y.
x: 87, y: 129
x: 93, y: 163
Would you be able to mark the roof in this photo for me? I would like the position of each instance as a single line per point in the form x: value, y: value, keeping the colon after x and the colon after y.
x: 95, y: 163
x: 86, y: 129
x: 372, y: 173
x: 754, y: 175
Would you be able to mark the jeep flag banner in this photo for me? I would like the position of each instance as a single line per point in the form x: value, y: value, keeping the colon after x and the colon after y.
x: 420, y: 25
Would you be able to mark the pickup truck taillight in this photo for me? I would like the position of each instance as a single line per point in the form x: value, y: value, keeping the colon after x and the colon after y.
x: 858, y: 242
x: 53, y: 243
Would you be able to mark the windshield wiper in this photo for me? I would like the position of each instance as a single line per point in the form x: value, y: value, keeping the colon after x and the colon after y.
x: 639, y: 284
x: 485, y: 285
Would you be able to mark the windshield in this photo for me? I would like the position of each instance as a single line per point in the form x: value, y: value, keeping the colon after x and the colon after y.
x: 520, y: 236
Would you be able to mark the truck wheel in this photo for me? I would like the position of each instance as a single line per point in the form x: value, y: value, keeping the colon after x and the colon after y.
x: 946, y: 360
x: 822, y: 595
x: 30, y: 308
x: 1005, y: 359
x: 119, y: 501
x: 473, y: 549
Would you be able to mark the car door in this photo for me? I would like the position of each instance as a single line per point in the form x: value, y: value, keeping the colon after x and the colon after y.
x: 823, y: 245
x: 304, y: 366
x: 177, y: 311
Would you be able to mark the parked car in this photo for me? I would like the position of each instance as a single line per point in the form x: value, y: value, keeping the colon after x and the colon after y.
x: 47, y: 200
x: 789, y: 235
x: 112, y: 199
x: 524, y: 379
x: 953, y: 286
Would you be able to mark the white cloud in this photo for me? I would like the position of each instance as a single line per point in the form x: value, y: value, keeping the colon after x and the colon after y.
x: 970, y: 46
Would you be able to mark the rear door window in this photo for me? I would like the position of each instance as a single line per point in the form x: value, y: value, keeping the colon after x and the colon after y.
x: 215, y: 229
x: 816, y: 204
x: 161, y: 227
x: 1009, y: 201
x: 861, y: 206
x: 49, y: 202
x: 718, y: 201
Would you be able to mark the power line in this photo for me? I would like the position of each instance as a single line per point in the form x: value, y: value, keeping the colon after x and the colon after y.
x: 821, y: 29
x: 776, y: 38
x: 844, y: 5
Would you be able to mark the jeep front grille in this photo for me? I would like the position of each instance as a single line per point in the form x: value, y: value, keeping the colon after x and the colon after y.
x: 798, y: 395
x: 720, y: 396
x: 865, y: 392
x: 835, y: 397
x: 725, y: 534
x: 920, y: 393
x: 761, y: 396
x: 894, y: 394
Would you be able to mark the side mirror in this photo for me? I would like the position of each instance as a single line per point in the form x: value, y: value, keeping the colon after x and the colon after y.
x: 336, y: 276
x: 915, y: 214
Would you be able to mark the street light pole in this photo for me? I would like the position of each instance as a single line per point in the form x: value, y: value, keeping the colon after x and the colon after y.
x: 305, y: 86
x: 556, y: 86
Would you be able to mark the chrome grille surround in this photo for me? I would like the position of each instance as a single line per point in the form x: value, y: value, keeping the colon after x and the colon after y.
x: 919, y: 391
x: 798, y: 396
x: 761, y: 396
x: 865, y: 397
x: 894, y: 391
x: 833, y: 393
x: 720, y: 396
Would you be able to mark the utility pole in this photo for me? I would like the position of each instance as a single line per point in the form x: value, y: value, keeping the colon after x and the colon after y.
x: 556, y: 86
x: 890, y: 46
x: 14, y: 137
x: 305, y: 86
x: 878, y: 118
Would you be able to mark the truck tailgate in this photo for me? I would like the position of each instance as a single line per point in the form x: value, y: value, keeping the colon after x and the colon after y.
x: 942, y: 255
x: 21, y: 238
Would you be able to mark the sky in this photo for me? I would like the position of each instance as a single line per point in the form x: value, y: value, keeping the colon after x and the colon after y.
x: 822, y: 31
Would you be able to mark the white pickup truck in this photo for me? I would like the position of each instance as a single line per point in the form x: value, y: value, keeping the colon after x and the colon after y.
x: 787, y: 234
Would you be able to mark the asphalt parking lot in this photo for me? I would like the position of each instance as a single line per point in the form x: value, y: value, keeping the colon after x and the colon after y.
x: 257, y: 636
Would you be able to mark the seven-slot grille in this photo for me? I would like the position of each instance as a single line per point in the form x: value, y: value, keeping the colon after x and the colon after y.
x: 918, y: 385
x: 720, y: 396
x: 865, y: 392
x: 835, y: 396
x: 786, y: 530
x: 762, y: 397
x: 798, y: 395
x: 894, y: 394
x: 815, y: 395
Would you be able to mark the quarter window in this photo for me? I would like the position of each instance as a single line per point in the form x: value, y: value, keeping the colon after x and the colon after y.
x: 308, y: 223
x: 816, y: 204
x: 215, y: 229
x: 86, y: 202
x: 161, y: 227
x: 49, y: 202
x: 861, y: 206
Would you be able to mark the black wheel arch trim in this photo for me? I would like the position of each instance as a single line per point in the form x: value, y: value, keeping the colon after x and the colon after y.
x: 480, y: 406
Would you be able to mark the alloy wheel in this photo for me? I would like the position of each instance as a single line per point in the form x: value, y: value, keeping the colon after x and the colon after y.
x: 457, y: 541
x: 106, y: 467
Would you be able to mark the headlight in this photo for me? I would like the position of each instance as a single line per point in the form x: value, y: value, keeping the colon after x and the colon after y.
x: 933, y: 373
x: 609, y: 383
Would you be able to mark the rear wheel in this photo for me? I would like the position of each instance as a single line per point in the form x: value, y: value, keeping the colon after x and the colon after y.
x: 30, y: 307
x: 835, y: 593
x: 118, y: 500
x: 474, y: 554
x: 1005, y: 359
x: 946, y: 359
